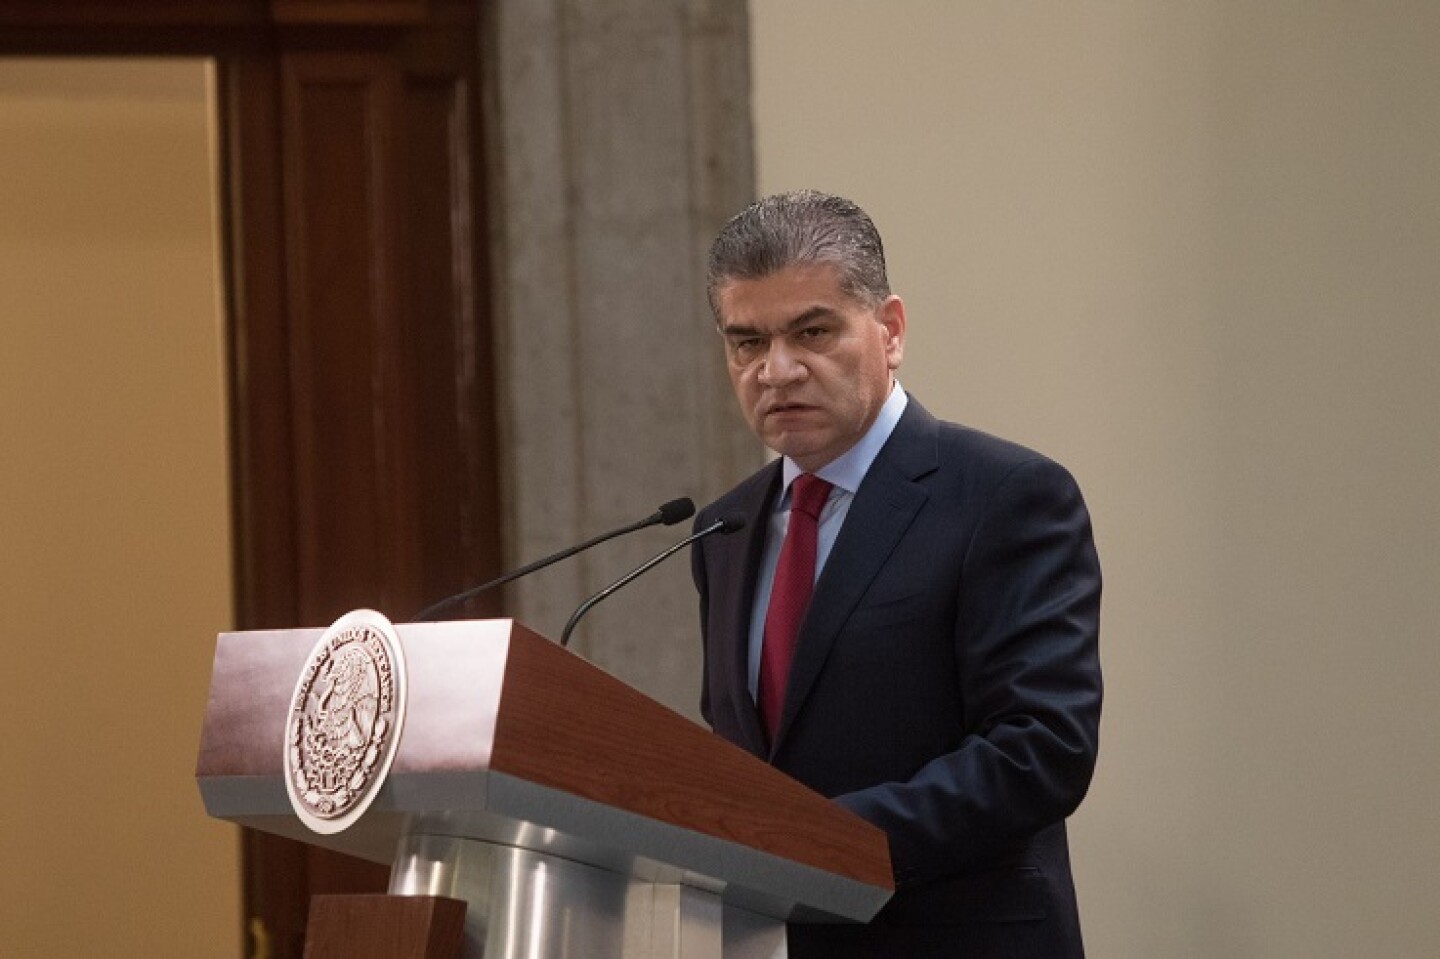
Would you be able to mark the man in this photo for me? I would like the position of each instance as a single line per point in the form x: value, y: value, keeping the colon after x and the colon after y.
x: 942, y: 680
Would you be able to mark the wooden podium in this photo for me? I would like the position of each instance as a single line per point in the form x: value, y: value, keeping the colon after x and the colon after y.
x: 575, y: 817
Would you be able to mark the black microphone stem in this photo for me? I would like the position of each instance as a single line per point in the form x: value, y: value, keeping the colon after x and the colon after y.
x: 724, y: 524
x: 672, y: 512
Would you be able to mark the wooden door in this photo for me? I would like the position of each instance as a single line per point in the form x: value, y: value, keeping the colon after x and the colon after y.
x: 362, y: 409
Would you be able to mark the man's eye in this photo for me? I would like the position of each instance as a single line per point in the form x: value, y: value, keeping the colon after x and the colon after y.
x: 813, y: 332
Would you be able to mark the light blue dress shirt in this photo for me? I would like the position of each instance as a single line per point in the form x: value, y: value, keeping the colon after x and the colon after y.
x: 844, y: 473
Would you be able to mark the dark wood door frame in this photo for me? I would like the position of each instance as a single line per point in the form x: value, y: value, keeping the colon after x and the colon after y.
x: 362, y: 410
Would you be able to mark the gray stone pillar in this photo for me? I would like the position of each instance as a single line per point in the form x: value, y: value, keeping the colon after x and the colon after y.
x: 622, y: 142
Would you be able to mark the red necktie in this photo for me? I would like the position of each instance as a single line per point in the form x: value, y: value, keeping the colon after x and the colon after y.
x: 789, y: 595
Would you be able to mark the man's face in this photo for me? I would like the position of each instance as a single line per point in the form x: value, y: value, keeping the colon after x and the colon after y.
x: 811, y: 365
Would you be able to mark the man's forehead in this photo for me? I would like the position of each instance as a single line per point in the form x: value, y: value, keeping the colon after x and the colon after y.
x: 790, y: 295
x: 818, y: 272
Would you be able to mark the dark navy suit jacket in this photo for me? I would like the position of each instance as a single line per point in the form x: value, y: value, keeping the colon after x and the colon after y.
x: 946, y: 686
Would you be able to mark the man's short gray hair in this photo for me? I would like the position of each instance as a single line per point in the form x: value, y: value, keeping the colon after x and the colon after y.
x: 795, y: 229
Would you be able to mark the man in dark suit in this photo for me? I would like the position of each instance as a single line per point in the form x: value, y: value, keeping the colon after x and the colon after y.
x: 942, y: 680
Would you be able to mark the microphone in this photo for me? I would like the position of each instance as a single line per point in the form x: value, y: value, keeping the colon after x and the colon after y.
x: 675, y: 511
x: 725, y: 524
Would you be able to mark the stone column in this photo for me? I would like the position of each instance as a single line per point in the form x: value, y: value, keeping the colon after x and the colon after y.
x: 621, y: 137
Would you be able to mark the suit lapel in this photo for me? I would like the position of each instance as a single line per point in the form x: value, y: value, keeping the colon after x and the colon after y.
x: 743, y: 551
x: 884, y: 507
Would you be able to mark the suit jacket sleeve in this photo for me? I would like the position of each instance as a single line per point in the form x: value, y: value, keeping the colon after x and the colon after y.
x: 1025, y: 641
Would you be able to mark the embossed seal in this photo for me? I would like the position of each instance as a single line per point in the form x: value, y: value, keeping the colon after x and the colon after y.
x: 345, y: 721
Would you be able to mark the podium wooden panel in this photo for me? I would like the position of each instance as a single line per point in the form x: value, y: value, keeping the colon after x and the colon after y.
x: 515, y: 744
x: 385, y: 927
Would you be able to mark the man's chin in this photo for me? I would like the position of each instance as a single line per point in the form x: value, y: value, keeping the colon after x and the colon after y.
x: 807, y: 453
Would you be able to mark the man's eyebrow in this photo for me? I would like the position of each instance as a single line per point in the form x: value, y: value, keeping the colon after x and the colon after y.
x: 816, y: 312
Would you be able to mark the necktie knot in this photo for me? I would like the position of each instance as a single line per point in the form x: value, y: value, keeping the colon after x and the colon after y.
x: 808, y: 494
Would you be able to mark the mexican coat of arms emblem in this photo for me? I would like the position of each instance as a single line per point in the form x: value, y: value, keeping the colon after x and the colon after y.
x: 345, y: 721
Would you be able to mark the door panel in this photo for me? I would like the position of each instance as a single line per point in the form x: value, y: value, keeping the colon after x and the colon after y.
x: 362, y: 411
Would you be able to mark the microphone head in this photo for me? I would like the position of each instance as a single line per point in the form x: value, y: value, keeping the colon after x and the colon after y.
x: 732, y: 522
x: 677, y: 511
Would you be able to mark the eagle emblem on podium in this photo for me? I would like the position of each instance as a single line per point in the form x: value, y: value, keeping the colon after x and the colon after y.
x: 344, y: 721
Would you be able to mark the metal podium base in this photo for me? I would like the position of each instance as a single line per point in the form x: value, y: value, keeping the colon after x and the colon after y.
x: 523, y: 904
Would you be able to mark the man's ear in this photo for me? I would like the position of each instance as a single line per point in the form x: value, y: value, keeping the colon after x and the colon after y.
x: 892, y: 317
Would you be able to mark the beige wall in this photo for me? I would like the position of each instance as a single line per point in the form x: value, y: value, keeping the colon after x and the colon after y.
x: 114, y: 574
x: 1193, y: 251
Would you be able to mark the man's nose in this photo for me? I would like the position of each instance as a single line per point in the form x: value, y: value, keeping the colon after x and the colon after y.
x: 781, y: 366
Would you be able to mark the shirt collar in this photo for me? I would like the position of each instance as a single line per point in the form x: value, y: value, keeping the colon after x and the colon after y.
x: 849, y: 468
